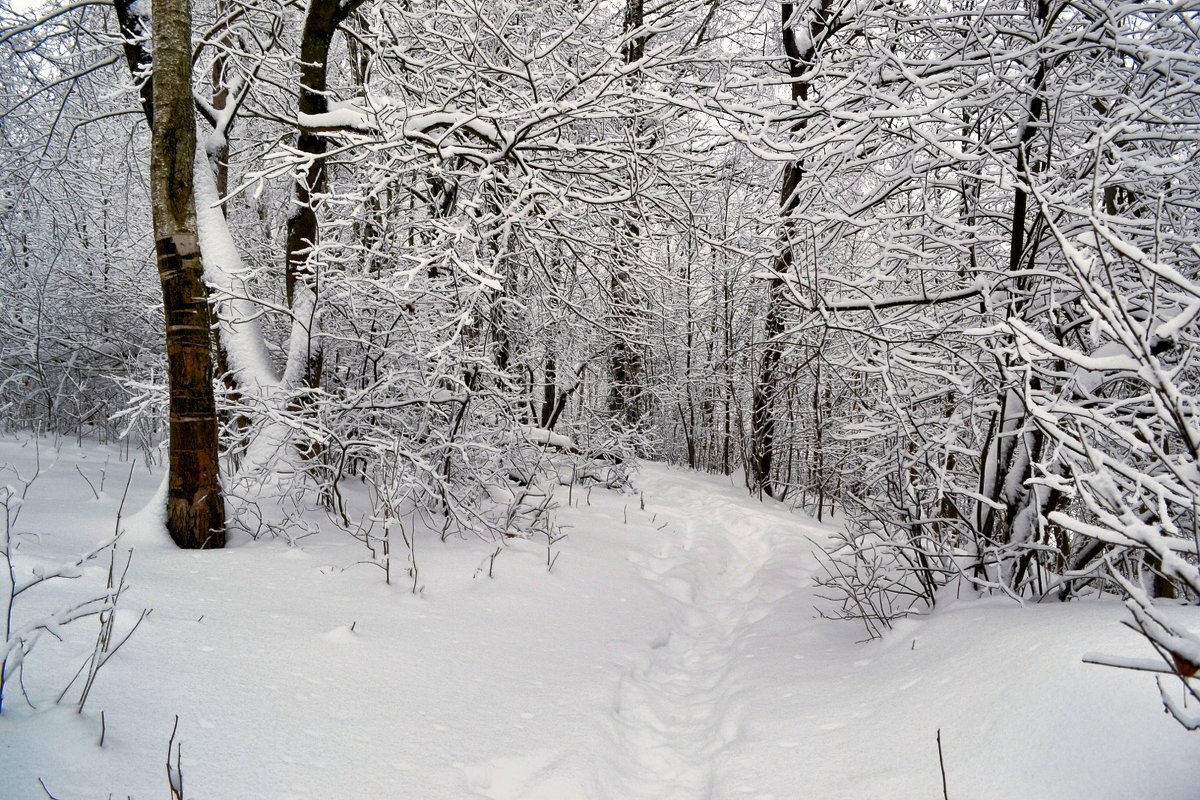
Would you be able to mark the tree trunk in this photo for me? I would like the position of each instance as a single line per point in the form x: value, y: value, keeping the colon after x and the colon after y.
x: 195, y: 510
x: 320, y: 24
x: 801, y: 52
x: 625, y: 399
x: 133, y: 26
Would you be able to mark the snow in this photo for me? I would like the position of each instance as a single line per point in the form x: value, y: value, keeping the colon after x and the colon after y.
x: 675, y: 655
x: 241, y: 332
x: 549, y: 438
x: 350, y: 118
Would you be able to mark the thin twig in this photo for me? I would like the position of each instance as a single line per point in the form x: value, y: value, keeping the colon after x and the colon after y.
x: 89, y: 483
x: 942, y: 764
x: 175, y: 771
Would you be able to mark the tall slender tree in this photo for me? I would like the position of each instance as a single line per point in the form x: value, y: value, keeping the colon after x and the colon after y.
x: 801, y: 45
x: 195, y: 510
x: 625, y: 361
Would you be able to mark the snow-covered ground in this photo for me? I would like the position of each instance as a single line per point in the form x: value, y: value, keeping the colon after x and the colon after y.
x: 672, y: 652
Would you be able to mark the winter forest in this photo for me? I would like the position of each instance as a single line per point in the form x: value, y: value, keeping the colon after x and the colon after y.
x: 600, y: 399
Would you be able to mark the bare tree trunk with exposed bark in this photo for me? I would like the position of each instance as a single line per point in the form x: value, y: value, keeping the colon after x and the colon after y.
x: 195, y: 509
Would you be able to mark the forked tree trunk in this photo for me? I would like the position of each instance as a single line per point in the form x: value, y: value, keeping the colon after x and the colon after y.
x: 1016, y: 445
x: 301, y: 274
x: 195, y: 509
x: 321, y: 22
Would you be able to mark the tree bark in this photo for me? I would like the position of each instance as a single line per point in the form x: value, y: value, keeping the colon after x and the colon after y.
x: 195, y: 509
x: 133, y: 28
x: 762, y: 415
x: 626, y: 370
x: 320, y: 24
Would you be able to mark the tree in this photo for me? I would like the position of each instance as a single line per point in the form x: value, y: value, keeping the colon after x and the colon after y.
x: 803, y: 41
x: 625, y: 369
x: 195, y: 507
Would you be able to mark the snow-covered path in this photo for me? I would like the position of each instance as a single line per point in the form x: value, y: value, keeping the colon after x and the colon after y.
x: 675, y: 715
x: 749, y: 693
x: 726, y: 567
x: 675, y: 707
x: 673, y: 653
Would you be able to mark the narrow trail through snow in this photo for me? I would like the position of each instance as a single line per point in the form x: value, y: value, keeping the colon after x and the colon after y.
x: 675, y: 714
x: 720, y: 561
x: 676, y: 707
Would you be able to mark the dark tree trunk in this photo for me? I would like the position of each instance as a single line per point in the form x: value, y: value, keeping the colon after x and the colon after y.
x: 195, y: 510
x: 1015, y: 442
x: 762, y: 403
x: 762, y: 416
x: 320, y: 24
x: 549, y: 389
x: 625, y: 398
x: 134, y: 28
